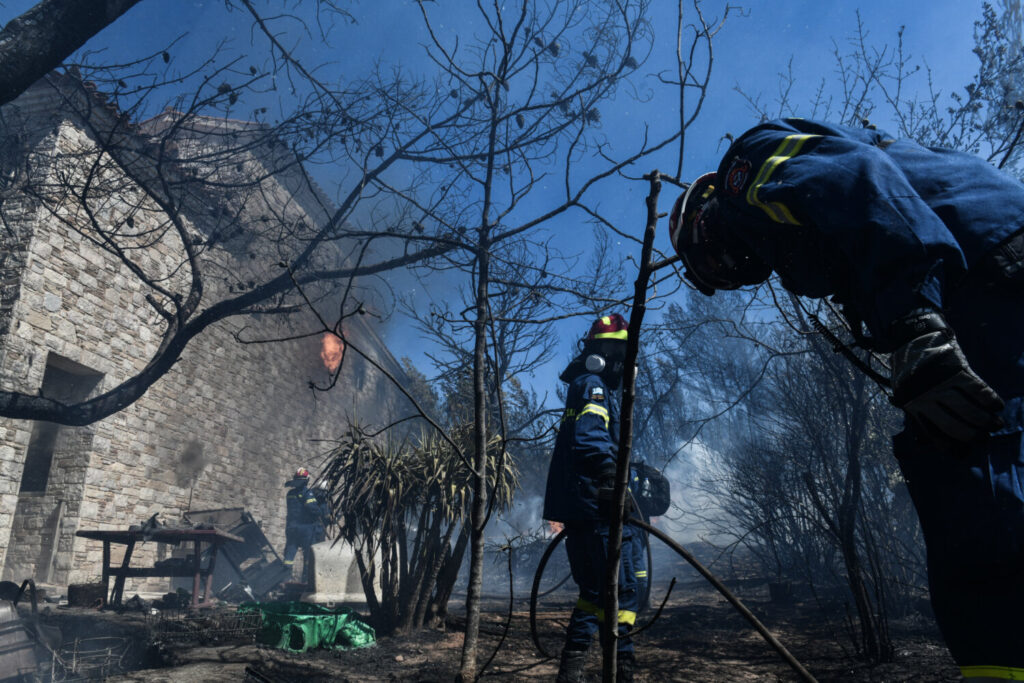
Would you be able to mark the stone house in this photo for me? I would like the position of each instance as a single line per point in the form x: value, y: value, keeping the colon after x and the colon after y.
x: 230, y: 421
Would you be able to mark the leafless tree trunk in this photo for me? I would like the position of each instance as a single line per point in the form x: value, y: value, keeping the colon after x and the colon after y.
x: 467, y: 669
x: 38, y: 41
x: 636, y: 317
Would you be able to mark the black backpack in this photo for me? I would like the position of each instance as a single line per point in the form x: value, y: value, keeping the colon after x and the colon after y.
x: 652, y: 490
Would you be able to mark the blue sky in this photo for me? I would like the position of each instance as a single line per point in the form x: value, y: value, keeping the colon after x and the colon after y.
x: 750, y: 52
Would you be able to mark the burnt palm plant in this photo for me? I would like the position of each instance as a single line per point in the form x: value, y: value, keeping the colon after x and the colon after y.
x: 402, y: 505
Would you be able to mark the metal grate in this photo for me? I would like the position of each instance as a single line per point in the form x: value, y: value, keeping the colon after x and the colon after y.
x: 91, y: 659
x: 216, y: 627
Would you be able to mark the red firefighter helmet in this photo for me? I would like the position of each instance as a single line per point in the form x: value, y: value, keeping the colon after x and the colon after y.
x: 302, y: 473
x: 612, y: 327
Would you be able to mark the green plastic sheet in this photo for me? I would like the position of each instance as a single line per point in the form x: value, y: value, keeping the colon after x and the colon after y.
x: 301, y: 626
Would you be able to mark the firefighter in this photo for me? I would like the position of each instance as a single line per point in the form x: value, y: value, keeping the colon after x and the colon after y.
x: 579, y: 494
x: 924, y: 248
x: 322, y: 493
x: 303, y: 524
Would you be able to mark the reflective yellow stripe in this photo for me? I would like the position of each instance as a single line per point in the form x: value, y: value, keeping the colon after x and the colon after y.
x: 789, y: 148
x: 289, y: 562
x: 625, y: 616
x: 621, y: 334
x: 1007, y: 673
x: 309, y: 502
x: 641, y: 575
x: 595, y: 409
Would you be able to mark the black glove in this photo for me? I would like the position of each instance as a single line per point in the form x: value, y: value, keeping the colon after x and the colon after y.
x: 606, y: 495
x: 934, y: 384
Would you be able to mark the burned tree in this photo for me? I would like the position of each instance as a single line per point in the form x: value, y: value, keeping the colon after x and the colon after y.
x: 801, y: 464
x: 528, y: 98
x: 47, y: 34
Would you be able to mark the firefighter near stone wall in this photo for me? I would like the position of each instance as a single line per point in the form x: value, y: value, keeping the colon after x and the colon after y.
x: 579, y: 495
x: 924, y: 248
x: 304, y: 524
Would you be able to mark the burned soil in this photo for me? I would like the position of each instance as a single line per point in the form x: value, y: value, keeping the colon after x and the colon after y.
x: 698, y: 637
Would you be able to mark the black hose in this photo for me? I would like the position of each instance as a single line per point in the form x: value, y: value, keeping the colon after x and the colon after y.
x: 533, y: 592
x: 682, y: 552
x: 645, y: 595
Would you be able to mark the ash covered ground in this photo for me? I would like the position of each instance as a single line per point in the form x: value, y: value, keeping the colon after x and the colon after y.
x: 699, y: 637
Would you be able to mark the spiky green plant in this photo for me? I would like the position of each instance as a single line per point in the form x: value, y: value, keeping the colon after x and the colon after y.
x: 400, y: 503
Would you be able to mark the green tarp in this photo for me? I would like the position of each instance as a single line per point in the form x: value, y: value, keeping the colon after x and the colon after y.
x: 300, y: 626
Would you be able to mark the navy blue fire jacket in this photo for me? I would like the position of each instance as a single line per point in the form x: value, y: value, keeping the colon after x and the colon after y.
x: 884, y: 225
x: 887, y: 226
x: 587, y: 441
x: 304, y: 510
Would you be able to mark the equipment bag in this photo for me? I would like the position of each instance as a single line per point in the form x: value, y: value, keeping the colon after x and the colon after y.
x: 653, y: 492
x: 300, y: 626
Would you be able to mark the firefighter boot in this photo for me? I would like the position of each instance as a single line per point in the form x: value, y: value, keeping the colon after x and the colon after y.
x: 625, y: 668
x: 570, y: 670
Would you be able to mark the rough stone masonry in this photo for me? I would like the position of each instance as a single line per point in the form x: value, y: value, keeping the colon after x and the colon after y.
x: 224, y: 428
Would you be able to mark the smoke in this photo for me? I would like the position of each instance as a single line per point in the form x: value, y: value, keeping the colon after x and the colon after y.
x: 523, y: 519
x: 695, y: 514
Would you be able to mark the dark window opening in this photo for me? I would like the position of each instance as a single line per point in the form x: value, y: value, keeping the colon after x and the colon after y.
x: 65, y: 381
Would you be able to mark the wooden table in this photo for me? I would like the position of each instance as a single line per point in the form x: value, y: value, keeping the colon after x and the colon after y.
x: 214, y: 537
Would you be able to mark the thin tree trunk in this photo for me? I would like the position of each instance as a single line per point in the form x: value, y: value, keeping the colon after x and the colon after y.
x: 367, y: 572
x: 422, y: 561
x: 449, y: 574
x: 636, y: 317
x: 436, y: 562
x: 478, y: 516
x: 415, y: 565
x: 850, y: 504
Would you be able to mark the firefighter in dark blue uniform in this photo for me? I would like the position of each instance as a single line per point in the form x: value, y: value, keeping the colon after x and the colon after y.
x: 925, y: 248
x: 304, y: 523
x: 579, y: 485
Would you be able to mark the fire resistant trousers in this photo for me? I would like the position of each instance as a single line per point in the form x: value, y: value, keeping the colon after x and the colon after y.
x: 971, y: 507
x: 587, y: 546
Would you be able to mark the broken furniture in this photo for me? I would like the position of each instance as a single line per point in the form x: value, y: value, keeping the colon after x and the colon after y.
x: 253, y: 566
x: 253, y: 569
x: 214, y: 538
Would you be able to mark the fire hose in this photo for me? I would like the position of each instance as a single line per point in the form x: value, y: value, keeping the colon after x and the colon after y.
x: 645, y: 595
x: 685, y: 554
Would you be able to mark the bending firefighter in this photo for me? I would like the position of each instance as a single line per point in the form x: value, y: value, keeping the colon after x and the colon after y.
x: 924, y: 247
x: 304, y: 524
x: 579, y: 494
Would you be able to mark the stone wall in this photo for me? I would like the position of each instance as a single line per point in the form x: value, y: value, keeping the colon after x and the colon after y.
x: 225, y: 427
